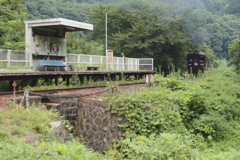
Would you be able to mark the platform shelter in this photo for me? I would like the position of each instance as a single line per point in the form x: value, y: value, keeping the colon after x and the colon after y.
x: 46, y: 38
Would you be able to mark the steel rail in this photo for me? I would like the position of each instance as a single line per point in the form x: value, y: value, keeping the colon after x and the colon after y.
x: 65, y: 89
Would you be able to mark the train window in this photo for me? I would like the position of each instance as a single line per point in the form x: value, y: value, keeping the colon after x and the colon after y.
x: 202, y: 58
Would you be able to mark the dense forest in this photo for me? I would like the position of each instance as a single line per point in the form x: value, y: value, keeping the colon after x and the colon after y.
x: 161, y: 29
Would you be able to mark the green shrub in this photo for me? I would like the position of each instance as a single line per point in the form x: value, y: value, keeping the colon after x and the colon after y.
x: 205, y: 108
x: 14, y: 149
x: 164, y: 146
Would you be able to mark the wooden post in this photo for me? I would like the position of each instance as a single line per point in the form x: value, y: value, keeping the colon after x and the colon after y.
x: 14, y: 91
x: 67, y: 82
x: 35, y: 83
x: 27, y: 99
x: 56, y: 81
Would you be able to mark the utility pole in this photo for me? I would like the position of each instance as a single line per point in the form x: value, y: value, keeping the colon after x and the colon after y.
x: 106, y: 44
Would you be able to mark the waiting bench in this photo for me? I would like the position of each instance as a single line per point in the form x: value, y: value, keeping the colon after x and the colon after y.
x: 92, y: 68
x: 51, y: 63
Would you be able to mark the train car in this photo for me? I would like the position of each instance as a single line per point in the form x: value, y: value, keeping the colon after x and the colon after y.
x: 196, y: 61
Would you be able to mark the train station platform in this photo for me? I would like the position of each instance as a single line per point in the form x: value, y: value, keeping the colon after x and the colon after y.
x: 66, y: 75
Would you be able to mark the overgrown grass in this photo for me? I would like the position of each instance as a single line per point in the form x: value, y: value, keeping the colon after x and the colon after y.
x: 203, y: 109
x: 14, y: 149
x: 15, y: 121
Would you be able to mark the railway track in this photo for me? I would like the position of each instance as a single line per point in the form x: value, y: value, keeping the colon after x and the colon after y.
x: 64, y: 89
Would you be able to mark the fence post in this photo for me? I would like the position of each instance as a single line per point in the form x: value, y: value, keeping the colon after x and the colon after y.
x: 9, y: 58
x: 66, y: 59
x: 138, y: 64
x: 130, y: 64
x: 79, y: 60
x: 90, y: 59
x: 101, y: 62
x: 117, y: 63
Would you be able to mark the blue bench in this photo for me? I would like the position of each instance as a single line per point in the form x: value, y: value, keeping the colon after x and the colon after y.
x: 51, y: 63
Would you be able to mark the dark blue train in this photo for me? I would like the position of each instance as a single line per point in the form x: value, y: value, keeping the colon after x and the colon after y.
x: 196, y: 61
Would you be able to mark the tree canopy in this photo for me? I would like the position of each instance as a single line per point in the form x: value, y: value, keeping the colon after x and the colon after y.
x: 44, y: 9
x: 143, y: 29
x: 12, y: 16
x: 234, y: 54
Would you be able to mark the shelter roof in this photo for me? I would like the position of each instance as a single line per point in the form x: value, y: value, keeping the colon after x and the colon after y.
x: 57, y: 27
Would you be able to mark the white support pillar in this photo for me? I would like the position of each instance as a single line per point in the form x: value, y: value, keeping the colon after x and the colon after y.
x: 152, y: 64
x: 123, y: 63
x: 106, y: 42
x: 28, y: 40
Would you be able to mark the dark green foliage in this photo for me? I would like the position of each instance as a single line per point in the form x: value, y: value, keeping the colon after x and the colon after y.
x: 75, y: 80
x: 4, y: 86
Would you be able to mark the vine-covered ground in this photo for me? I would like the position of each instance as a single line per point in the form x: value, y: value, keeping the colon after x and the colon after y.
x: 192, y: 118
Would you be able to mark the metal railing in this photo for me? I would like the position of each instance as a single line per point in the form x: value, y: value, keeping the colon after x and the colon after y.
x: 10, y: 58
x: 82, y: 61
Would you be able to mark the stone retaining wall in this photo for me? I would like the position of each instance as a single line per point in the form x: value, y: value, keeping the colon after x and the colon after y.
x: 91, y: 120
x: 96, y: 126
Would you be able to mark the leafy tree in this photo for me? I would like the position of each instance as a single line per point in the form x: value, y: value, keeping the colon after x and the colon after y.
x: 214, y: 6
x: 78, y: 44
x: 12, y: 16
x: 221, y: 31
x: 211, y: 58
x: 195, y: 4
x: 232, y: 7
x: 147, y: 30
x: 44, y: 9
x: 97, y: 1
x: 234, y: 54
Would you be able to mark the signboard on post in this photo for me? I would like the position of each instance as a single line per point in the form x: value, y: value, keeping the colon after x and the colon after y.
x: 110, y: 56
